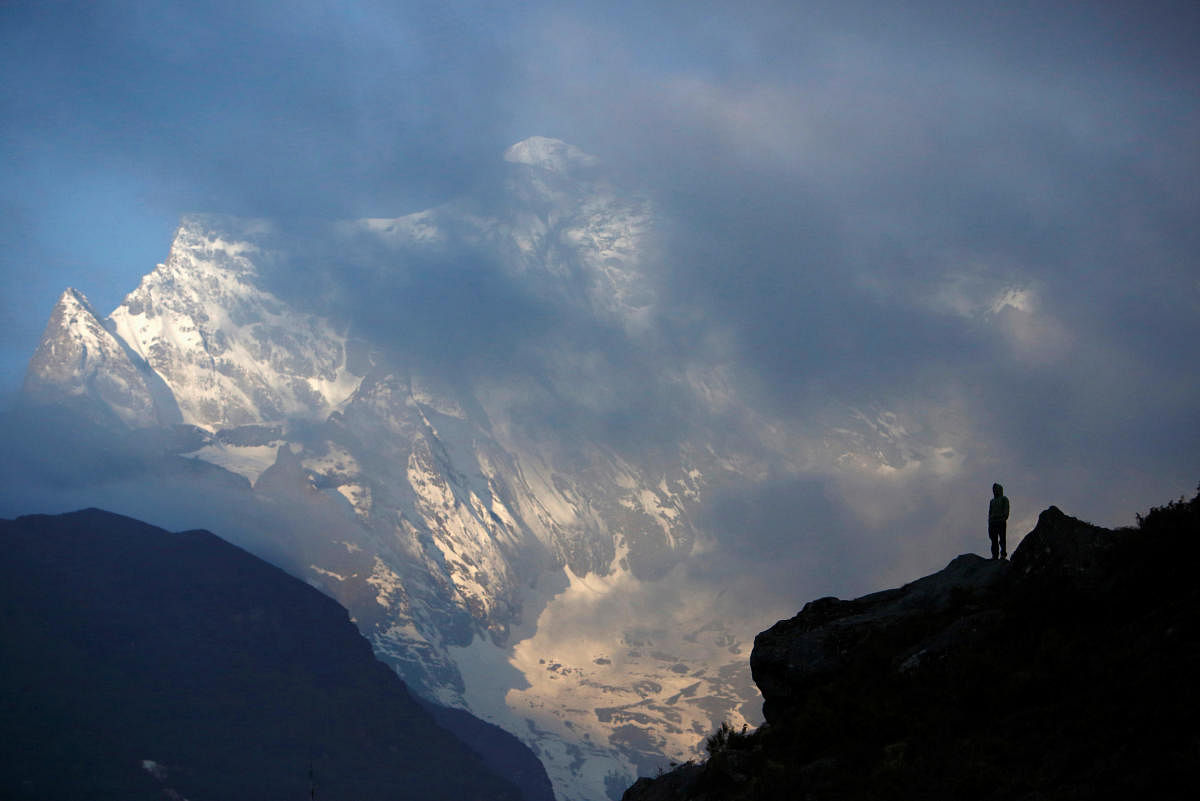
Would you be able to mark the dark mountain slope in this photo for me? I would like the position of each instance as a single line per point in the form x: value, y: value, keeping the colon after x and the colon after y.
x: 1070, y: 673
x: 137, y: 663
x: 499, y: 750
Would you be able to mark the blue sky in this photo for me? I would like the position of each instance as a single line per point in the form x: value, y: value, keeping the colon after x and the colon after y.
x: 867, y: 202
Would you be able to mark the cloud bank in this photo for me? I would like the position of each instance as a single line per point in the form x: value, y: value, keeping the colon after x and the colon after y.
x: 935, y: 246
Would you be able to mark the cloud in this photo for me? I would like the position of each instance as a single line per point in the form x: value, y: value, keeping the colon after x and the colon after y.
x: 329, y: 109
x: 981, y: 224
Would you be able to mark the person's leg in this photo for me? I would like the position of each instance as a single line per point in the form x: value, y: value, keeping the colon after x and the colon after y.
x: 1003, y: 545
x: 993, y: 538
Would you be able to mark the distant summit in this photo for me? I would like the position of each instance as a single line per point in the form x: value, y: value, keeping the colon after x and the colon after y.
x: 1068, y: 673
x: 81, y: 364
x: 549, y: 154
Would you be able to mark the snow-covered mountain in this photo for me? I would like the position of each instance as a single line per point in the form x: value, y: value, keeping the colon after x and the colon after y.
x: 496, y: 545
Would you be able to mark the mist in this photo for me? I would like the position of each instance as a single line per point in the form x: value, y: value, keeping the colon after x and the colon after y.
x: 917, y: 250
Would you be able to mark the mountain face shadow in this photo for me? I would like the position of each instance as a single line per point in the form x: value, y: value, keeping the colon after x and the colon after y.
x: 1068, y: 673
x: 138, y: 663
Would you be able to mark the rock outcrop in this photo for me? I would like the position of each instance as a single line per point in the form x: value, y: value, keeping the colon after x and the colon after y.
x: 897, y: 629
x: 1067, y: 673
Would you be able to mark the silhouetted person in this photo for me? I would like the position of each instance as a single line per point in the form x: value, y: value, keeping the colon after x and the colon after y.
x: 997, y: 521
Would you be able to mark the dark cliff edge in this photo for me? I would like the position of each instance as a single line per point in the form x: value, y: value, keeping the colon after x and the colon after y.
x: 136, y: 663
x: 1071, y: 672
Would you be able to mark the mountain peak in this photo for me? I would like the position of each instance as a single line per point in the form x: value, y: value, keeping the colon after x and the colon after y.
x: 549, y: 154
x: 73, y: 299
x: 81, y: 363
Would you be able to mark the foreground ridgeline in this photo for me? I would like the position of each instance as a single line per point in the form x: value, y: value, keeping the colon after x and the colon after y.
x: 1071, y: 672
x: 140, y: 664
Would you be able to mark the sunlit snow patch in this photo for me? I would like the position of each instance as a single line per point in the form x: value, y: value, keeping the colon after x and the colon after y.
x: 617, y: 678
x: 250, y: 461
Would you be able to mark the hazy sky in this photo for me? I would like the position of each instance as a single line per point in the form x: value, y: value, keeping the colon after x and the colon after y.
x: 980, y: 216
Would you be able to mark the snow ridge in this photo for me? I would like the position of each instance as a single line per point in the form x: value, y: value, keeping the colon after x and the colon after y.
x: 80, y: 361
x: 232, y: 352
x: 549, y: 154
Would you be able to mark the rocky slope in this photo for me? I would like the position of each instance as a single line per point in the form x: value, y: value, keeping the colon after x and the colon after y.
x: 139, y: 663
x: 82, y: 365
x: 473, y: 511
x: 1067, y: 673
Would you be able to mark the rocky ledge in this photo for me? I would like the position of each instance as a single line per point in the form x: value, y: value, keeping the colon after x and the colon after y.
x: 1069, y: 672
